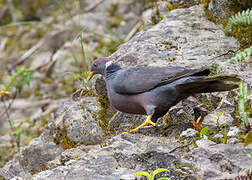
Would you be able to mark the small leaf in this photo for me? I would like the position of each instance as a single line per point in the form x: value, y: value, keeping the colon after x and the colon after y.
x: 204, y: 130
x: 224, y: 139
x: 157, y: 171
x: 143, y: 173
x: 164, y: 178
x: 198, y: 138
x: 220, y: 114
x: 17, y: 131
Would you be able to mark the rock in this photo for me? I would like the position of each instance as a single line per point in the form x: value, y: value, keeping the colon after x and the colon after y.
x: 189, y: 133
x: 12, y: 169
x: 220, y: 9
x: 121, y: 122
x: 76, y: 124
x: 204, y: 143
x: 99, y: 88
x: 220, y: 161
x: 233, y: 140
x: 164, y: 41
x: 123, y: 156
x: 234, y: 132
x: 34, y: 157
x: 218, y: 116
x: 146, y: 16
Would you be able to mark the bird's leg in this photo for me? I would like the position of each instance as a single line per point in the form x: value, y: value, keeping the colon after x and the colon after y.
x: 146, y: 123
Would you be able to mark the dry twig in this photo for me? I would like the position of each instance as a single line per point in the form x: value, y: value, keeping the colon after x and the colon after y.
x: 93, y: 6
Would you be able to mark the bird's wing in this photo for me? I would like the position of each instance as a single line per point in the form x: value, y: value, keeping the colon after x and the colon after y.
x: 141, y: 79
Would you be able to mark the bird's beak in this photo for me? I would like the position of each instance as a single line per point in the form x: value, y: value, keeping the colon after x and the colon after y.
x: 90, y: 75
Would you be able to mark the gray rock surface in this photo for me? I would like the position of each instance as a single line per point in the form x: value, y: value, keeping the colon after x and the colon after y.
x: 221, y: 161
x: 218, y: 117
x: 204, y: 143
x: 119, y: 159
x: 124, y: 155
x: 188, y: 133
x: 220, y: 9
x: 34, y: 157
x: 185, y: 34
x: 75, y: 122
x: 234, y: 132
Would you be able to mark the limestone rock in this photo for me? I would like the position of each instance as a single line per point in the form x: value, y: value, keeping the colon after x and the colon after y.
x: 76, y: 124
x: 220, y: 117
x: 189, y: 133
x: 234, y: 132
x: 34, y: 157
x: 220, y: 161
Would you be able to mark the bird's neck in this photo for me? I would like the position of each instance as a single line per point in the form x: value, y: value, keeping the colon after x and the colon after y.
x: 111, y: 70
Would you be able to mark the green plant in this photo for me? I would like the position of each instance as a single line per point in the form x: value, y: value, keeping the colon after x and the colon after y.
x: 152, y: 175
x: 19, y: 78
x: 202, y: 133
x: 224, y: 139
x: 83, y: 71
x: 241, y: 18
x: 242, y: 103
x: 243, y: 54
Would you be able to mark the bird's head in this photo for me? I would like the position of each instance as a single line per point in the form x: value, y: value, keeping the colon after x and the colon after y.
x: 102, y: 66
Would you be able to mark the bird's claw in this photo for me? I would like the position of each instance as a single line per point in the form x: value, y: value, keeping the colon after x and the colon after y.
x: 146, y: 123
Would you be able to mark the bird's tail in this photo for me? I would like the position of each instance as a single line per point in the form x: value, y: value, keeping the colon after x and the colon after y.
x: 206, y: 84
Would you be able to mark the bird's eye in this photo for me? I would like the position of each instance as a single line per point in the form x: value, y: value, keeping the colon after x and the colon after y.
x: 95, y: 65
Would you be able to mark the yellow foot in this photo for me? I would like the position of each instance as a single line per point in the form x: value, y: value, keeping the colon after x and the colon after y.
x: 146, y: 123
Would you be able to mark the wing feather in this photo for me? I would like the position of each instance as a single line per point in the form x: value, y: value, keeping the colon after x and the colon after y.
x: 142, y: 79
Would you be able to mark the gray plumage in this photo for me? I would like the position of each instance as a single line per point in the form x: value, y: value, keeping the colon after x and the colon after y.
x: 153, y: 90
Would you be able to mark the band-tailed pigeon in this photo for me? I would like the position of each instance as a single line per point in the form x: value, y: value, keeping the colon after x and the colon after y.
x: 153, y: 90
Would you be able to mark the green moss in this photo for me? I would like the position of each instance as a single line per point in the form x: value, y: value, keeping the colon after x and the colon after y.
x: 40, y: 169
x: 205, y: 8
x: 172, y: 59
x: 63, y: 140
x: 77, y: 156
x: 243, y: 34
x: 167, y: 44
x: 171, y: 6
x: 102, y: 115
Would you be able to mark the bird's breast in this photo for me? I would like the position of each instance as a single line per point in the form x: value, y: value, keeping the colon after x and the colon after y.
x: 127, y: 103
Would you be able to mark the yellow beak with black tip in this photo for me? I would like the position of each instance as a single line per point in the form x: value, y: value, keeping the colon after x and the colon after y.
x: 90, y: 75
